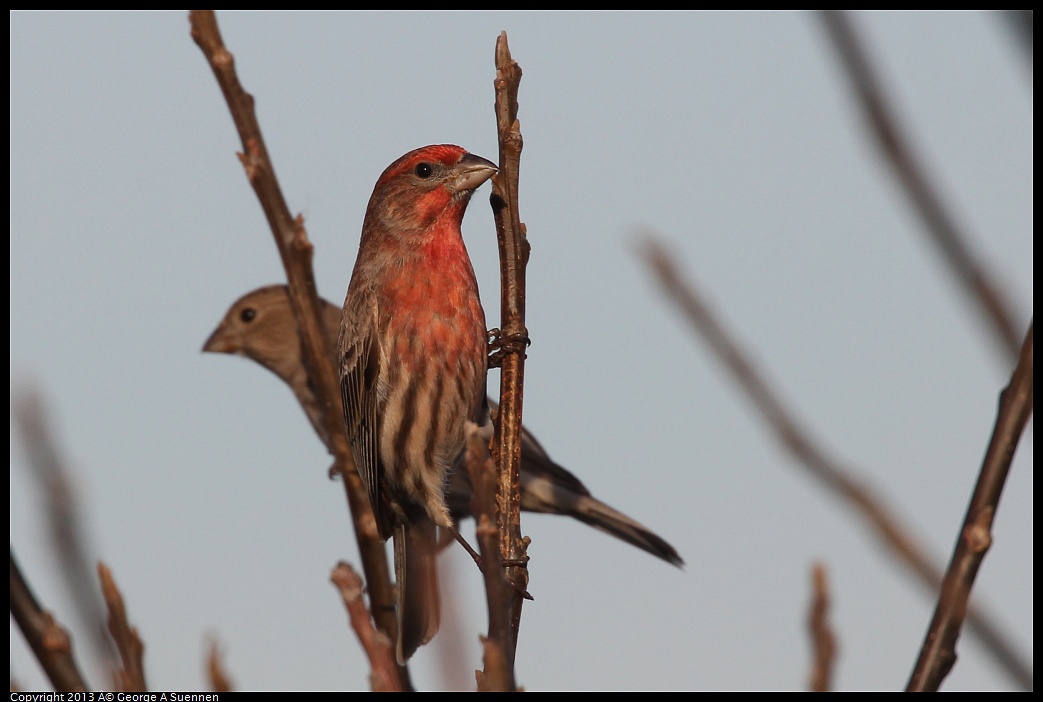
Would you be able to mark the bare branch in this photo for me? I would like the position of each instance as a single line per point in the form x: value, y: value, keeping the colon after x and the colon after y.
x: 496, y: 668
x: 378, y: 646
x: 513, y: 336
x: 296, y: 252
x: 48, y: 640
x: 939, y: 648
x: 499, y: 676
x: 823, y: 640
x: 215, y: 669
x: 844, y: 484
x: 69, y: 533
x: 130, y: 677
x: 938, y: 221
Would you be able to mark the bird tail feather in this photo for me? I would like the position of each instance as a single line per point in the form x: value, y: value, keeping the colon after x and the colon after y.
x: 419, y: 608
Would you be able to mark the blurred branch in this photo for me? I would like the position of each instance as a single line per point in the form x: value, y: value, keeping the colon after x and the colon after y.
x: 939, y: 648
x: 823, y: 640
x: 844, y: 485
x: 215, y: 669
x: 1020, y: 22
x: 296, y: 252
x: 513, y: 337
x: 378, y: 646
x: 938, y: 221
x: 63, y: 513
x: 130, y: 677
x: 48, y: 640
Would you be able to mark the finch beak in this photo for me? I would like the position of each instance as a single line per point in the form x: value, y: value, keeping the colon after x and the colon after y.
x: 218, y: 343
x: 471, y: 171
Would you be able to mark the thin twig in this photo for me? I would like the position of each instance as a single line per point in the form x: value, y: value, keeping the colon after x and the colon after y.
x: 844, y: 484
x: 69, y: 533
x: 823, y: 640
x: 938, y: 221
x: 296, y: 252
x: 513, y: 336
x: 378, y: 646
x: 939, y: 648
x: 498, y: 674
x: 130, y: 677
x: 215, y: 669
x: 48, y: 640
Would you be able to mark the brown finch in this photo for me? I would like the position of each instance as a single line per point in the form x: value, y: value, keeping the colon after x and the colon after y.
x: 260, y: 325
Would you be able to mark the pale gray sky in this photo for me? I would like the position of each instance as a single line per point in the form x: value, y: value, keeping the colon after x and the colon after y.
x: 733, y: 135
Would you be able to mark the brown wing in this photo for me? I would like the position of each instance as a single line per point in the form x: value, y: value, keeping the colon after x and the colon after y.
x: 359, y: 370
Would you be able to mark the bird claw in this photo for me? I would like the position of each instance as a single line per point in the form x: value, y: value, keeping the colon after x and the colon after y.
x: 501, y: 344
x: 518, y: 563
x: 477, y: 558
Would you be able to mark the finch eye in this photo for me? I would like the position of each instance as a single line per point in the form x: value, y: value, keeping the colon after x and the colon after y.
x: 248, y: 314
x: 423, y: 170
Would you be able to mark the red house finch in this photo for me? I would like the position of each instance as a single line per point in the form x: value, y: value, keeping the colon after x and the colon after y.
x: 413, y: 362
x: 260, y: 325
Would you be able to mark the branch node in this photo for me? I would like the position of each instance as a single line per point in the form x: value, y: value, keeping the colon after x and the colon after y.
x: 977, y: 534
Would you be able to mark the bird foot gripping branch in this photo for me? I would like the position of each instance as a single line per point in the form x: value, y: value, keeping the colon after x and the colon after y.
x: 501, y: 344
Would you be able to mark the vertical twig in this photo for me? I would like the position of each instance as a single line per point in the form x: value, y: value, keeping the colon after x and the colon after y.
x: 939, y: 648
x: 513, y: 336
x: 215, y: 669
x: 378, y: 646
x: 48, y: 640
x: 823, y: 640
x: 498, y: 673
x: 130, y: 677
x: 938, y: 221
x: 296, y: 252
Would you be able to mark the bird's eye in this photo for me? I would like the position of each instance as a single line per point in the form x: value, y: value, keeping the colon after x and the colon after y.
x: 423, y: 170
x: 248, y: 314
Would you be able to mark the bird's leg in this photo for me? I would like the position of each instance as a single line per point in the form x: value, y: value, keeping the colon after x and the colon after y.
x: 478, y: 561
x: 467, y: 547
